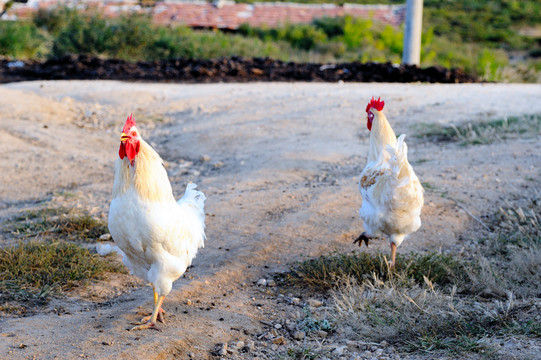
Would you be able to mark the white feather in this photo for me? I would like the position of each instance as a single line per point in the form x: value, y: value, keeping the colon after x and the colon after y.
x: 392, y: 194
x: 158, y: 236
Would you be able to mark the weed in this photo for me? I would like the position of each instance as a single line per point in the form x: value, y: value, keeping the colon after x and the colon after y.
x: 482, y: 132
x: 309, y: 324
x: 32, y: 271
x: 306, y: 353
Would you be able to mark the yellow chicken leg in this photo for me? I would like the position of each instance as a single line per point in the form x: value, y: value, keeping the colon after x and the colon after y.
x: 161, y: 312
x: 393, y: 255
x: 151, y: 323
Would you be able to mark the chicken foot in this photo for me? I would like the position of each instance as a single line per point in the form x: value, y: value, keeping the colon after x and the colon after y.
x: 161, y: 312
x: 151, y: 323
x: 363, y: 237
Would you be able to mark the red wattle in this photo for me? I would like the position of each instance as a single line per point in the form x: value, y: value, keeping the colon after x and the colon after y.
x: 122, y: 151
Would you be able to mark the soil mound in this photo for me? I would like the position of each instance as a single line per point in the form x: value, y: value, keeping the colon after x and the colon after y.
x: 234, y: 69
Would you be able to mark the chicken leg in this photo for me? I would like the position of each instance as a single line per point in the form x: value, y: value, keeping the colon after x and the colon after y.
x: 393, y: 255
x: 161, y: 312
x: 151, y: 323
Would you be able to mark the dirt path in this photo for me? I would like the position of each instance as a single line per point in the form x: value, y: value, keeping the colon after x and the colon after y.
x: 279, y: 163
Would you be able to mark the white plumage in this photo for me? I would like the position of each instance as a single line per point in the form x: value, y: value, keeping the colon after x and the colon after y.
x: 158, y: 235
x: 391, y: 192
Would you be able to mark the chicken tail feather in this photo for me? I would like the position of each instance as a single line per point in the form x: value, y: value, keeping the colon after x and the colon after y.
x: 194, y: 197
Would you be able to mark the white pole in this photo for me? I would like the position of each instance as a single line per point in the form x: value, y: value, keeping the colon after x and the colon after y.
x: 412, y: 32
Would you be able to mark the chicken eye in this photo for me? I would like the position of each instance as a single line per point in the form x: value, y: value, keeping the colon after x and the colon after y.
x: 133, y: 133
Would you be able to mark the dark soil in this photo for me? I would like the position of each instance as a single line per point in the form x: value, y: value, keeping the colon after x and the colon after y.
x: 235, y: 69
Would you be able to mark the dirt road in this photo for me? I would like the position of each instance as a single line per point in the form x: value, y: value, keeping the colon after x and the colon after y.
x: 279, y: 164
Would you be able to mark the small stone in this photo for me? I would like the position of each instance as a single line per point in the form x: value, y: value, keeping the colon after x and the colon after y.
x: 299, y: 335
x: 339, y: 350
x: 218, y: 164
x: 188, y: 302
x: 205, y: 158
x: 322, y: 333
x: 384, y: 343
x: 271, y: 282
x: 295, y: 301
x: 239, y: 344
x: 279, y: 341
x: 262, y: 282
x: 378, y: 352
x: 277, y: 326
x: 191, y: 355
x: 249, y: 346
x: 221, y: 349
x: 367, y: 354
x: 290, y: 326
x: 315, y: 303
x: 105, y: 237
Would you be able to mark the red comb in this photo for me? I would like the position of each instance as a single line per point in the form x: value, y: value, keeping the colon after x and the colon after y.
x: 378, y: 104
x: 128, y: 124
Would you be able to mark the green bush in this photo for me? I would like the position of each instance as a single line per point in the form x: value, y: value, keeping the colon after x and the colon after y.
x: 20, y: 40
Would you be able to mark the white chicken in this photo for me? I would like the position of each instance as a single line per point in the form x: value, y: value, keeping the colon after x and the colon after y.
x: 159, y: 236
x: 391, y: 192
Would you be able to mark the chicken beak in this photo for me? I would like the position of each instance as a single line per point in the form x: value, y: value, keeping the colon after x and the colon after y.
x: 124, y: 137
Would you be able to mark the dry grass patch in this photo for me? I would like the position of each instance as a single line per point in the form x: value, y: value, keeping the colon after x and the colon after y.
x: 48, y: 259
x: 65, y: 223
x: 482, y: 132
x: 30, y: 272
x: 438, y: 304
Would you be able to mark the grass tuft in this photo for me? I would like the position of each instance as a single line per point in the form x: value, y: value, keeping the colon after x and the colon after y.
x: 483, y: 132
x: 321, y: 274
x: 69, y: 224
x: 32, y: 271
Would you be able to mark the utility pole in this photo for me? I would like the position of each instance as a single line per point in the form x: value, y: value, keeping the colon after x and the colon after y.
x: 412, y: 33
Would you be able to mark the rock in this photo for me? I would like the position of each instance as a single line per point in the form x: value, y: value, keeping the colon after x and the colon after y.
x: 315, y: 303
x: 218, y: 164
x: 262, y: 282
x: 295, y: 301
x: 248, y: 347
x: 290, y: 326
x: 105, y: 237
x: 277, y: 326
x: 367, y: 354
x: 205, y: 158
x: 339, y: 350
x: 322, y: 333
x: 378, y: 352
x: 299, y: 335
x: 384, y: 343
x: 271, y: 282
x: 279, y: 341
x: 221, y: 349
x: 191, y: 355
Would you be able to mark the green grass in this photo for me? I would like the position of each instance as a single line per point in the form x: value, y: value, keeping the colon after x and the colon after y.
x: 54, y: 222
x: 482, y: 132
x: 34, y: 270
x: 321, y: 274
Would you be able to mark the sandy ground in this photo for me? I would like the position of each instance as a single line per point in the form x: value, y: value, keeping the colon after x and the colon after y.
x: 280, y: 172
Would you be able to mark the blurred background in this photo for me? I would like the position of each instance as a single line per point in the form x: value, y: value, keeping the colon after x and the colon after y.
x: 495, y: 40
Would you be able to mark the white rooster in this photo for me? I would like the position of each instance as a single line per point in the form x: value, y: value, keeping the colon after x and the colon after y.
x: 159, y: 236
x: 392, y: 194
